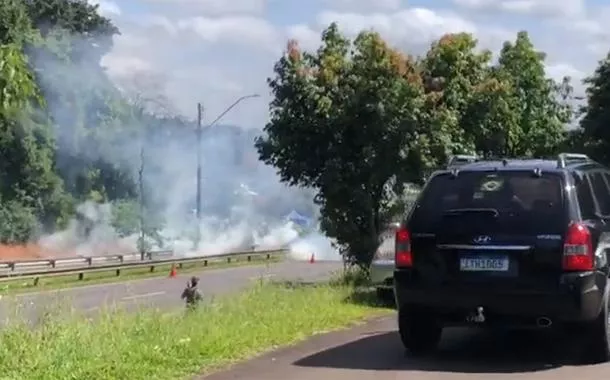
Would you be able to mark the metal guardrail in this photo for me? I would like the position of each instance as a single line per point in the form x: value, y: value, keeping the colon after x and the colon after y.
x: 35, y: 269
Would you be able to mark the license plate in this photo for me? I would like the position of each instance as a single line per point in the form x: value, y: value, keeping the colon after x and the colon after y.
x: 484, y: 264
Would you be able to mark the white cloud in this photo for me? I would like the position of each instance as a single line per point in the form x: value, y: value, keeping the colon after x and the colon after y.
x: 416, y: 24
x: 216, y: 7
x: 239, y: 30
x: 561, y: 69
x: 414, y: 29
x: 546, y: 8
x: 364, y: 5
x: 107, y: 8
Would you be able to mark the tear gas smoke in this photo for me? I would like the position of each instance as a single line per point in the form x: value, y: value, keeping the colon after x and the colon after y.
x: 244, y: 204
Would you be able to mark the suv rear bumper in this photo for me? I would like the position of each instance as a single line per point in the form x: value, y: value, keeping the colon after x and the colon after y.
x: 577, y: 298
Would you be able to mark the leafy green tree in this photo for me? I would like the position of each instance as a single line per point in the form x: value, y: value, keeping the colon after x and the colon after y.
x: 344, y: 121
x: 539, y: 111
x: 27, y: 176
x: 594, y: 133
x: 86, y: 114
x: 453, y: 71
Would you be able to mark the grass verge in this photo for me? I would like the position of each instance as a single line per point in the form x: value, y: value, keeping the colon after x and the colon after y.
x: 23, y: 285
x: 154, y: 345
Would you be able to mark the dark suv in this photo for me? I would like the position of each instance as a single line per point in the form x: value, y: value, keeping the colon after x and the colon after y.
x: 509, y: 243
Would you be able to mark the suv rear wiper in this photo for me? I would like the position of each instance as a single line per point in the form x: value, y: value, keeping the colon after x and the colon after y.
x: 462, y: 211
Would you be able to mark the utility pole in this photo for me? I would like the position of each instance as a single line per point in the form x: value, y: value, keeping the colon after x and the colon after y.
x: 199, y: 159
x: 200, y: 154
x: 141, y: 244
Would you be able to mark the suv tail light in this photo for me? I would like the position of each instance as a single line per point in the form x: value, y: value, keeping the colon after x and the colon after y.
x: 578, y: 249
x: 404, y: 256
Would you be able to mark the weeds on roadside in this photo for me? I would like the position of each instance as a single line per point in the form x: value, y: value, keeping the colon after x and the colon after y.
x: 150, y: 344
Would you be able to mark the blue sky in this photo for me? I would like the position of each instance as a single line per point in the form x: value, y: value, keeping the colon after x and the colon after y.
x: 215, y: 51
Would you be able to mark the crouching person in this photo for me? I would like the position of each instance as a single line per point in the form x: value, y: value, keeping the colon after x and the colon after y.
x: 191, y: 293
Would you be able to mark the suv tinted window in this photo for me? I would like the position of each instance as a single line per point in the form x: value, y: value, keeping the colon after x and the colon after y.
x: 524, y: 202
x: 585, y: 198
x: 600, y: 190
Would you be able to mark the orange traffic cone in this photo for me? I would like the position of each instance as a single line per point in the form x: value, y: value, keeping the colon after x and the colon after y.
x: 312, y: 259
x: 173, y: 272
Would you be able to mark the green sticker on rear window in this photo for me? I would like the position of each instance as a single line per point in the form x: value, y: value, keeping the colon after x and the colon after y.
x: 491, y: 183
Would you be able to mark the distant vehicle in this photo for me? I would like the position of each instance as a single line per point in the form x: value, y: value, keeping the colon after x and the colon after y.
x: 510, y: 243
x: 382, y: 266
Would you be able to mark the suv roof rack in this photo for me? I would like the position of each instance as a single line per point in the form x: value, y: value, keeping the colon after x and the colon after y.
x: 564, y: 159
x: 461, y: 159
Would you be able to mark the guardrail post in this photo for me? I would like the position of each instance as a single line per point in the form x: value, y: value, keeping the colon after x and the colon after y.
x: 36, y: 279
x: 121, y: 259
x: 118, y: 272
x: 152, y: 268
x: 268, y: 256
x: 179, y: 265
x: 90, y: 261
x: 52, y: 263
x: 81, y: 276
x: 228, y: 260
x: 12, y: 266
x: 249, y: 258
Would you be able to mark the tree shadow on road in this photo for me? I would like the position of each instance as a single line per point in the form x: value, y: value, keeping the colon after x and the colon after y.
x: 461, y: 351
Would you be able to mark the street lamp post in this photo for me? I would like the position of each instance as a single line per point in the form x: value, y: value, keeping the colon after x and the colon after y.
x: 200, y: 153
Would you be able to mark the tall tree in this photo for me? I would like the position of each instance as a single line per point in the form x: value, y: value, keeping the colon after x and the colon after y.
x: 539, y: 128
x: 344, y: 120
x: 29, y: 187
x: 595, y: 123
x: 453, y: 71
x: 83, y: 105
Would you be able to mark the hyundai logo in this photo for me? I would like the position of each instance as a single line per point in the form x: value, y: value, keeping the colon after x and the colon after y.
x: 482, y: 239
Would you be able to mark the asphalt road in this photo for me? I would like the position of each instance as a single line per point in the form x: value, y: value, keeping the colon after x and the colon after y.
x: 158, y: 292
x: 373, y: 352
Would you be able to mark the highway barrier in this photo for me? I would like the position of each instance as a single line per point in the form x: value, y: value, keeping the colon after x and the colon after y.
x: 35, y: 269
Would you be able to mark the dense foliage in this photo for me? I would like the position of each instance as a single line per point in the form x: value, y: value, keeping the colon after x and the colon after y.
x: 359, y: 120
x: 56, y: 128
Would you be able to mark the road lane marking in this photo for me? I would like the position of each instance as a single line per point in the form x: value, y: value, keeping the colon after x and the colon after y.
x: 145, y: 295
x: 262, y: 277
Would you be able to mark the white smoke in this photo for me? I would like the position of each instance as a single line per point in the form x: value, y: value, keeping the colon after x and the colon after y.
x: 244, y: 205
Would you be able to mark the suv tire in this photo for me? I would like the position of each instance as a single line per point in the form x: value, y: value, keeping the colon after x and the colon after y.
x: 597, y: 349
x: 419, y: 330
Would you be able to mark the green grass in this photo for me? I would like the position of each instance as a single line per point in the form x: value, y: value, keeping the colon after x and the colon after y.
x: 25, y: 285
x: 152, y: 345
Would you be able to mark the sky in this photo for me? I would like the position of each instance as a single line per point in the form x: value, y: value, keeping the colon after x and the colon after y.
x: 216, y: 51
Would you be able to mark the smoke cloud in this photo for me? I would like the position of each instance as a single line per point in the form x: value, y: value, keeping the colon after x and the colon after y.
x: 244, y: 205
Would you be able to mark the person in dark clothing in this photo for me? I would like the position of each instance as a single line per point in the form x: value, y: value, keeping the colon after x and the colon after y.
x: 191, y: 293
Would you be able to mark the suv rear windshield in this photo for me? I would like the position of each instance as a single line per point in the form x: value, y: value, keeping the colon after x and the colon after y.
x: 514, y: 200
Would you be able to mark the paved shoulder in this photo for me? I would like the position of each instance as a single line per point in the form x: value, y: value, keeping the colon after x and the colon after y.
x: 373, y: 352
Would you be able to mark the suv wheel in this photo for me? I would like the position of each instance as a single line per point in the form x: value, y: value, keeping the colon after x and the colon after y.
x: 419, y: 330
x: 598, y: 343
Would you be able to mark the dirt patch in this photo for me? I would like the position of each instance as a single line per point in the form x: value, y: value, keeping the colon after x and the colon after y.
x: 21, y: 252
x: 34, y: 251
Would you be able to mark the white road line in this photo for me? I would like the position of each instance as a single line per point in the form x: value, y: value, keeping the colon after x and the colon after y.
x: 145, y: 295
x: 261, y: 277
